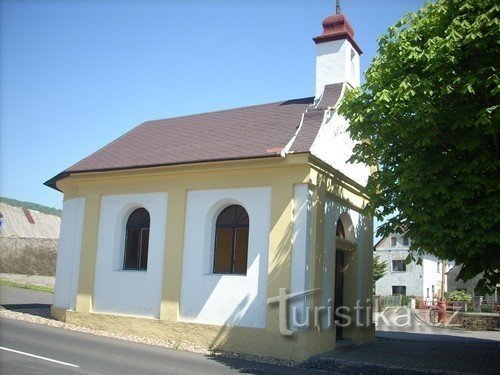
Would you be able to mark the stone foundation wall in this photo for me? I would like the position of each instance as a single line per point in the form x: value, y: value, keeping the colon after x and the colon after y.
x: 477, y: 321
x: 470, y: 321
x: 28, y: 256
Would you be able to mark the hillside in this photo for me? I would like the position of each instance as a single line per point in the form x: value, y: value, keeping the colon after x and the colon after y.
x: 31, y: 206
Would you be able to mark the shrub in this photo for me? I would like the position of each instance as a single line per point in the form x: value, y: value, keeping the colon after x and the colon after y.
x: 405, y: 300
x: 487, y: 309
x: 460, y: 295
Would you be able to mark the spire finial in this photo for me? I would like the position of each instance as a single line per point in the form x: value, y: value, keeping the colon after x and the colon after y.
x: 337, y: 7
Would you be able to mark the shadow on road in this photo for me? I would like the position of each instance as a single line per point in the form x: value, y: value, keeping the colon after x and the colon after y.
x: 36, y: 309
x: 247, y: 367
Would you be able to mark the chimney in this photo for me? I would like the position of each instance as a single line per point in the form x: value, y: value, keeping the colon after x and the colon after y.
x: 337, y: 54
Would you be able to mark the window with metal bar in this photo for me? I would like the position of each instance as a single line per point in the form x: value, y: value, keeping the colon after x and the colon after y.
x: 231, y: 241
x: 137, y: 240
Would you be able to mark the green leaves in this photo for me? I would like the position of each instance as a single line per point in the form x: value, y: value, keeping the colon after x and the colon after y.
x: 428, y: 116
x: 379, y: 268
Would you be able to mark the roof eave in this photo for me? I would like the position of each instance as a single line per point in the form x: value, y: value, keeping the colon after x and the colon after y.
x: 52, y: 183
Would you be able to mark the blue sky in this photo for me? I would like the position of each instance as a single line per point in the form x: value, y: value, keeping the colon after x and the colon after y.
x: 77, y: 74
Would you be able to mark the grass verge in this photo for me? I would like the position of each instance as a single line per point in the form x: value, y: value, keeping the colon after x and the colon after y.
x: 38, y: 288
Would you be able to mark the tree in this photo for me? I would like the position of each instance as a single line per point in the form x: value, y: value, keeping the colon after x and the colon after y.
x: 427, y: 117
x: 379, y: 268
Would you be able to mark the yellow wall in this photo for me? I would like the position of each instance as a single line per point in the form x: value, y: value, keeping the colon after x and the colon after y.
x: 280, y: 174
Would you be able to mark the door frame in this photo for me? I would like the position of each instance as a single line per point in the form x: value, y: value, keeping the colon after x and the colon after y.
x: 348, y: 248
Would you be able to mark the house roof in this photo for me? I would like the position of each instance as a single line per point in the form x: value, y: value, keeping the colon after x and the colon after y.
x: 242, y: 133
x: 23, y: 222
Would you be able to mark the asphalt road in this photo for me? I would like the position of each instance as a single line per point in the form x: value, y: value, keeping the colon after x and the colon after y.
x: 27, y: 348
x: 11, y: 295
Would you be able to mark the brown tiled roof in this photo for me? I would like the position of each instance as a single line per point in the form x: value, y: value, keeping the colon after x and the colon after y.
x: 313, y: 118
x: 241, y: 133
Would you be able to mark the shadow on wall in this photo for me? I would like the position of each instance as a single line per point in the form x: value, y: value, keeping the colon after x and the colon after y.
x: 357, y: 262
x: 214, y: 288
x: 322, y: 262
x: 251, y: 340
x: 225, y: 298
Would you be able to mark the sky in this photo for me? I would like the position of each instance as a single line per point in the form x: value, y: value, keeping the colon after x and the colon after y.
x: 75, y: 75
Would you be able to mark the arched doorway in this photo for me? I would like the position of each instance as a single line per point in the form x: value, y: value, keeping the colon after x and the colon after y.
x: 345, y: 275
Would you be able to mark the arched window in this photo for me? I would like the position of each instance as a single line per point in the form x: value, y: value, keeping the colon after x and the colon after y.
x: 340, y: 229
x: 137, y: 240
x: 231, y: 241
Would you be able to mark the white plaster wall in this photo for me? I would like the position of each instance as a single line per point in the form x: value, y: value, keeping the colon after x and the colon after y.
x: 301, y: 256
x: 336, y: 62
x: 432, y: 276
x: 129, y: 292
x: 412, y: 278
x: 355, y: 68
x: 237, y: 300
x: 68, y: 253
x: 334, y: 145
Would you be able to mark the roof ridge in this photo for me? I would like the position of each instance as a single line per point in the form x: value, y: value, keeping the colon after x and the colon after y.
x: 225, y: 110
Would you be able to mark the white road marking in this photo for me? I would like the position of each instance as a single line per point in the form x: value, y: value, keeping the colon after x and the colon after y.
x: 39, y: 357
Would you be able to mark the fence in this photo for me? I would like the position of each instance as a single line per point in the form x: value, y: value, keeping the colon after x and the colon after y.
x: 387, y: 301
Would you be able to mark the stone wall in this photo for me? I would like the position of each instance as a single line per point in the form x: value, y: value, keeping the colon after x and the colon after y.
x: 472, y: 321
x: 28, y: 256
x: 477, y: 321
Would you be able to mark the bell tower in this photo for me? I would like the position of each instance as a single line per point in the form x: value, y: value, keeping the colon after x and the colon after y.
x: 337, y: 54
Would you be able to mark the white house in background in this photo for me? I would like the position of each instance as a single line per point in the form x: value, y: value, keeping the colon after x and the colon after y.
x: 421, y: 281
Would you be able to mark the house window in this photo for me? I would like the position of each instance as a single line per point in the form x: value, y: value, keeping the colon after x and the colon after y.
x: 398, y: 266
x: 398, y: 289
x: 393, y: 241
x: 231, y: 241
x: 340, y: 232
x: 137, y: 240
x: 406, y: 240
x: 438, y: 267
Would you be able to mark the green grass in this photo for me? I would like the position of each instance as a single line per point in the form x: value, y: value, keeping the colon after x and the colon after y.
x: 38, y: 288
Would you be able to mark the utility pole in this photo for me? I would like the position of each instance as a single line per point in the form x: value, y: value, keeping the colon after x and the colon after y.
x: 442, y: 303
x: 443, y: 278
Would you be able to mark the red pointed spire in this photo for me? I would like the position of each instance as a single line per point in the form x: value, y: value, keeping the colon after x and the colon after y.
x: 336, y: 27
